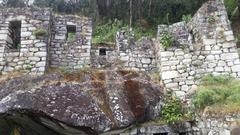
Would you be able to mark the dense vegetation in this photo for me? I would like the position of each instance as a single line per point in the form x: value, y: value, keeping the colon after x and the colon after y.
x: 142, y: 15
x: 218, y: 94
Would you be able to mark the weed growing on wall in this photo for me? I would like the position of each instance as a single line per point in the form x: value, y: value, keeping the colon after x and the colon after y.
x: 40, y: 33
x: 167, y: 41
x: 211, y: 19
x: 187, y: 18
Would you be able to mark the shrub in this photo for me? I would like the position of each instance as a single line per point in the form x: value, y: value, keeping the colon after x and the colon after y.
x: 167, y: 41
x: 187, y: 18
x: 172, y: 110
x: 40, y: 33
x: 231, y: 6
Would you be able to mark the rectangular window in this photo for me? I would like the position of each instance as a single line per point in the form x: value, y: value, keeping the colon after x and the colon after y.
x: 15, y: 34
x: 71, y: 32
x: 102, y: 51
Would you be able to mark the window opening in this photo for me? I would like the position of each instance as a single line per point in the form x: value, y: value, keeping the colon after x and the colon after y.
x: 71, y: 32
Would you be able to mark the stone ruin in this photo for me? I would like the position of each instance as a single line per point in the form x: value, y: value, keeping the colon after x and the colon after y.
x: 23, y: 47
x: 204, y: 45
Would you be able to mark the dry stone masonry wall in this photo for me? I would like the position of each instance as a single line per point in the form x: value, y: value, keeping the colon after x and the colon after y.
x: 71, y: 42
x: 29, y: 52
x: 205, y: 45
x: 21, y: 46
x: 136, y: 55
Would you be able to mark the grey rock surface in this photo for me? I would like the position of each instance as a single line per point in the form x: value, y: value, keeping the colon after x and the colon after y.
x: 88, y: 101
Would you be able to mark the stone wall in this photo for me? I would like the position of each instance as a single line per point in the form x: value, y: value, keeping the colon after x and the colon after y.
x: 75, y: 53
x: 223, y: 125
x: 136, y: 55
x: 205, y: 45
x: 103, y: 56
x: 32, y: 51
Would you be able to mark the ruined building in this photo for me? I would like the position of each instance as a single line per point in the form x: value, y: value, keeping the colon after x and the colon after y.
x: 35, y: 39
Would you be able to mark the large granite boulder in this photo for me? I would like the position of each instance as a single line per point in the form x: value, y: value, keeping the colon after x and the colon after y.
x: 86, y: 102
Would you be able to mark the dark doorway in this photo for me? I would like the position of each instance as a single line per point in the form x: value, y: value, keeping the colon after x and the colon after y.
x: 160, y: 134
x: 15, y: 34
x: 183, y: 133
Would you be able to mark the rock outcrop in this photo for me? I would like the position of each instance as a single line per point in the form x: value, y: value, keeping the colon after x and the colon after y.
x: 86, y: 102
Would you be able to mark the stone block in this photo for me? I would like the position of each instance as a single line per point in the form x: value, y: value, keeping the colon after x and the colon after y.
x: 166, y: 54
x: 230, y: 38
x: 210, y: 58
x: 219, y: 69
x: 229, y: 56
x: 40, y: 44
x: 60, y: 37
x: 209, y: 41
x: 146, y: 60
x: 236, y: 68
x: 26, y: 34
x: 41, y: 64
x: 34, y: 59
x: 40, y: 54
x: 169, y: 75
x: 172, y: 85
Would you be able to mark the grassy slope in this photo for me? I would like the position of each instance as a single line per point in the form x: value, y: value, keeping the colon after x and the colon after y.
x: 218, y: 95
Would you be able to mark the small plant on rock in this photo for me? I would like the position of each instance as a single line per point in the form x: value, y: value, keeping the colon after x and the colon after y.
x: 40, y: 33
x: 186, y: 18
x: 167, y: 41
x: 172, y: 110
x: 211, y: 19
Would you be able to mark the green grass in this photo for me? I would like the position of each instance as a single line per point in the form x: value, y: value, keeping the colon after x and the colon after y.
x: 218, y: 94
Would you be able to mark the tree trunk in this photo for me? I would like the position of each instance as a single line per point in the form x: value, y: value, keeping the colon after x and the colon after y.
x: 150, y: 8
x: 131, y: 14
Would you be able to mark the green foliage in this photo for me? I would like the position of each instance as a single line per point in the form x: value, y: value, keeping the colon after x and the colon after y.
x: 105, y: 33
x: 187, y: 18
x: 141, y: 32
x: 217, y: 91
x: 40, y: 33
x: 71, y: 37
x: 211, y: 19
x: 167, y: 41
x: 213, y: 80
x: 172, y: 110
x: 231, y: 6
